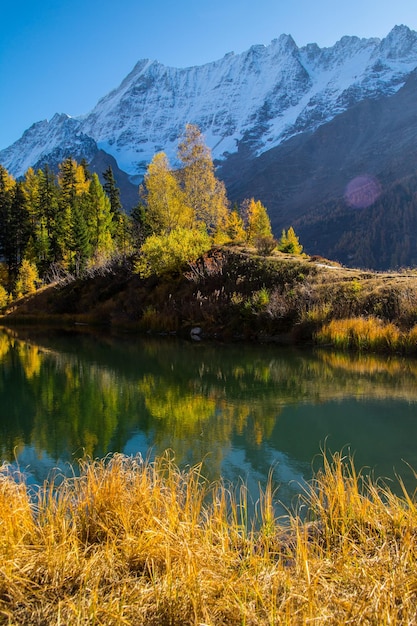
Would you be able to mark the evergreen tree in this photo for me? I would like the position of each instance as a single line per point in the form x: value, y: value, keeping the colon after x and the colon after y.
x: 72, y: 183
x: 7, y: 185
x: 14, y: 225
x: 84, y: 165
x: 123, y: 234
x: 112, y: 191
x: 80, y: 241
x: 48, y: 209
x: 139, y: 225
x: 99, y: 218
x: 203, y: 192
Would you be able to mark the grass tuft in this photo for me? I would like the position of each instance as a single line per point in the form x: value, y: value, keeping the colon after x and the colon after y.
x: 367, y: 334
x: 130, y: 541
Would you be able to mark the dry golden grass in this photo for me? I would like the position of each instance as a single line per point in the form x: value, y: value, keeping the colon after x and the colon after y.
x: 134, y: 542
x: 367, y: 334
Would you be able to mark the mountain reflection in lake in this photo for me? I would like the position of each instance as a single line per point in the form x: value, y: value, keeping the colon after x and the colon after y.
x: 242, y: 409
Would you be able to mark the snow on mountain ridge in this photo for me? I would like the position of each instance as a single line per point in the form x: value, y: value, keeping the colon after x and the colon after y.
x: 257, y: 98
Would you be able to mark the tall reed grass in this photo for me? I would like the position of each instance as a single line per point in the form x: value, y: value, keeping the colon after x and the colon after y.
x: 367, y: 334
x: 137, y: 542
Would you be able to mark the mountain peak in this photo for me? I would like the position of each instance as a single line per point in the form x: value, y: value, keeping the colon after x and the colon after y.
x: 400, y: 42
x: 284, y: 44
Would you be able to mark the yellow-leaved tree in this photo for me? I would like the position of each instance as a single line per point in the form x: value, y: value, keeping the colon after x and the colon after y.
x: 204, y: 193
x: 258, y: 223
x: 235, y: 228
x: 27, y: 279
x: 289, y: 242
x: 166, y: 203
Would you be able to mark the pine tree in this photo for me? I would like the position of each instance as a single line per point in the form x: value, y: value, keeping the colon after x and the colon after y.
x: 99, y: 218
x: 79, y: 244
x: 204, y: 193
x: 112, y: 191
x: 14, y: 224
x: 124, y: 237
x: 139, y: 225
x: 7, y: 185
x: 48, y: 209
x: 84, y: 165
x: 73, y: 184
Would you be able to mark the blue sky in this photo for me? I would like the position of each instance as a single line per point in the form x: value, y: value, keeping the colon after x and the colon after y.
x: 63, y: 55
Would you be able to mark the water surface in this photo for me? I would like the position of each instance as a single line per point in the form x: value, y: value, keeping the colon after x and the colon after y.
x: 242, y: 409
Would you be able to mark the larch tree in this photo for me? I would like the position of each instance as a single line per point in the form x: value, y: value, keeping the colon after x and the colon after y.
x: 235, y: 229
x: 31, y: 191
x: 258, y: 223
x: 204, y: 193
x: 289, y: 242
x: 27, y: 279
x: 38, y: 248
x: 166, y: 206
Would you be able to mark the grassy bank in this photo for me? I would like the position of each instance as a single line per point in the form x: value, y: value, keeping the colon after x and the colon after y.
x: 133, y: 542
x: 368, y: 334
x: 234, y: 293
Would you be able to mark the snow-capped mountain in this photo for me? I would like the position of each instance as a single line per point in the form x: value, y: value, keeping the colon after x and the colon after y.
x: 293, y: 127
x: 255, y: 101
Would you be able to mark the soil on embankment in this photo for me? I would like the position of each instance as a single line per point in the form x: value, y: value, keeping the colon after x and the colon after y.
x: 230, y: 293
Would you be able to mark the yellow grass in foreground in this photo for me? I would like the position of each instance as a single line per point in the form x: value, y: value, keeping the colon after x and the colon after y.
x: 133, y: 542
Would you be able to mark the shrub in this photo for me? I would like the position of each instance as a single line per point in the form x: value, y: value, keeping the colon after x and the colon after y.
x: 265, y: 245
x: 168, y: 254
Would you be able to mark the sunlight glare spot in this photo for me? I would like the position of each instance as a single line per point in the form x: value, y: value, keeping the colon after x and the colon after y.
x: 362, y: 191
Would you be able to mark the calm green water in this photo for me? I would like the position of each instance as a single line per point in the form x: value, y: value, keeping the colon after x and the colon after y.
x: 241, y: 408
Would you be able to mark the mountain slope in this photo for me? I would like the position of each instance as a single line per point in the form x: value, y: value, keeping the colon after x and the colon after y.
x: 377, y: 137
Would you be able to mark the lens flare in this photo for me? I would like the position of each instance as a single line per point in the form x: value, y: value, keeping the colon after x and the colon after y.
x: 362, y: 191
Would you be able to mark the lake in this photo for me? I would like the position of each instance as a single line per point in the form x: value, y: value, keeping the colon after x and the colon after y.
x: 241, y: 409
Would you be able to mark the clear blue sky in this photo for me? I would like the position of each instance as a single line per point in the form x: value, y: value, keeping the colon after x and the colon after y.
x: 63, y: 55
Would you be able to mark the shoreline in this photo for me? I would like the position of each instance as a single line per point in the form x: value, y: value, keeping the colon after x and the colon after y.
x: 234, y: 294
